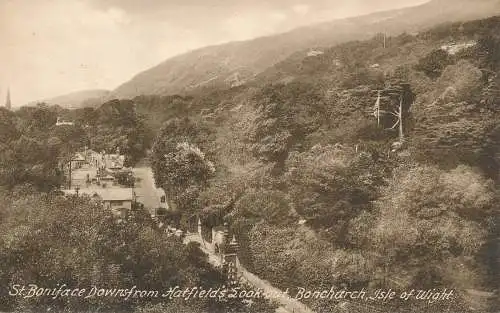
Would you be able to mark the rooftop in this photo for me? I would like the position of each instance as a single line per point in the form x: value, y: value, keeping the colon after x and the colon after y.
x: 105, y: 194
x: 78, y: 157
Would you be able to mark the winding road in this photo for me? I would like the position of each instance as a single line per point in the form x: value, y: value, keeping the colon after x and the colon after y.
x: 287, y: 304
x: 145, y: 190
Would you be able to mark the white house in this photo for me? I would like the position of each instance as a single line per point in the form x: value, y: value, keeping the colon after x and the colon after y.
x: 162, y: 198
x: 60, y: 122
x: 453, y: 47
x: 118, y: 200
x: 77, y: 161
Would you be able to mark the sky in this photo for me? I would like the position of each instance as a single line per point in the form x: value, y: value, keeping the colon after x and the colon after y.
x: 53, y: 47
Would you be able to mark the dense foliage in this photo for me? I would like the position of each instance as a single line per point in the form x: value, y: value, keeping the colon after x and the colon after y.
x: 179, y: 164
x: 48, y: 239
x: 325, y: 196
x: 317, y: 192
x: 35, y: 150
x: 116, y: 125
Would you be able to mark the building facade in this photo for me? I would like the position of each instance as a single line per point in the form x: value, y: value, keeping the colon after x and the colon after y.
x: 118, y: 200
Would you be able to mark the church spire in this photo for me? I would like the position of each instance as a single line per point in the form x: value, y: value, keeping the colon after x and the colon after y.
x: 8, y: 103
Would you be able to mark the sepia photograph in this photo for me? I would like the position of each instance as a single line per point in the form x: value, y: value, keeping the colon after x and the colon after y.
x: 249, y: 156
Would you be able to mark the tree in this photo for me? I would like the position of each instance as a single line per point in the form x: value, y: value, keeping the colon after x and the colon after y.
x: 183, y: 172
x: 453, y: 126
x: 488, y: 47
x: 286, y: 115
x: 179, y: 161
x: 290, y: 256
x: 8, y: 130
x: 125, y: 178
x: 460, y: 82
x: 39, y: 119
x: 27, y: 160
x: 77, y: 242
x: 178, y: 130
x: 268, y: 206
x: 434, y: 63
x: 72, y: 138
x: 329, y: 186
x: 116, y: 125
x: 429, y: 221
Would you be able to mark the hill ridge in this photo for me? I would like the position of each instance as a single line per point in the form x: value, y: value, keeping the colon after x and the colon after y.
x: 234, y: 63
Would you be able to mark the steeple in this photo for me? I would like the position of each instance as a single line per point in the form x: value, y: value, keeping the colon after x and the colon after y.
x: 8, y: 103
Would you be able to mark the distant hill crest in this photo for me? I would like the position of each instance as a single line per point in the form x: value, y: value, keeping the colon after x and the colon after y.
x: 236, y: 63
x: 78, y: 99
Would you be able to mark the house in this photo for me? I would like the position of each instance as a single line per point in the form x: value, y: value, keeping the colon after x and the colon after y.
x: 103, y: 160
x: 113, y: 161
x: 60, y: 122
x: 453, y: 47
x: 92, y: 157
x: 107, y: 179
x: 77, y: 161
x: 118, y: 200
x: 314, y: 53
x: 161, y: 206
x: 162, y: 197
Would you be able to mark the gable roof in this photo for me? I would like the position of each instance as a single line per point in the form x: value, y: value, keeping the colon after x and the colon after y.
x: 78, y: 157
x: 105, y: 194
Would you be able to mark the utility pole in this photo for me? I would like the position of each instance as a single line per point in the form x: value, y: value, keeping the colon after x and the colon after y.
x: 377, y: 108
x: 70, y: 171
x: 70, y: 161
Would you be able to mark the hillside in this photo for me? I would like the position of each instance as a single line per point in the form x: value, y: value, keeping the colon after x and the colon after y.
x: 321, y: 193
x: 318, y: 189
x: 235, y: 63
x: 79, y: 99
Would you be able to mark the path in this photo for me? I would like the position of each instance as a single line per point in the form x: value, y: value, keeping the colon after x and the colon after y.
x: 79, y: 176
x: 287, y: 304
x: 145, y: 188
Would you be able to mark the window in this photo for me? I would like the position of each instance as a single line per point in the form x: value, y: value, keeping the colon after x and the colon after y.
x: 117, y: 203
x: 163, y: 199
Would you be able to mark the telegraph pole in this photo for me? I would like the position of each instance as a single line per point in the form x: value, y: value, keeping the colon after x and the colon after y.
x: 70, y: 171
x: 70, y: 161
